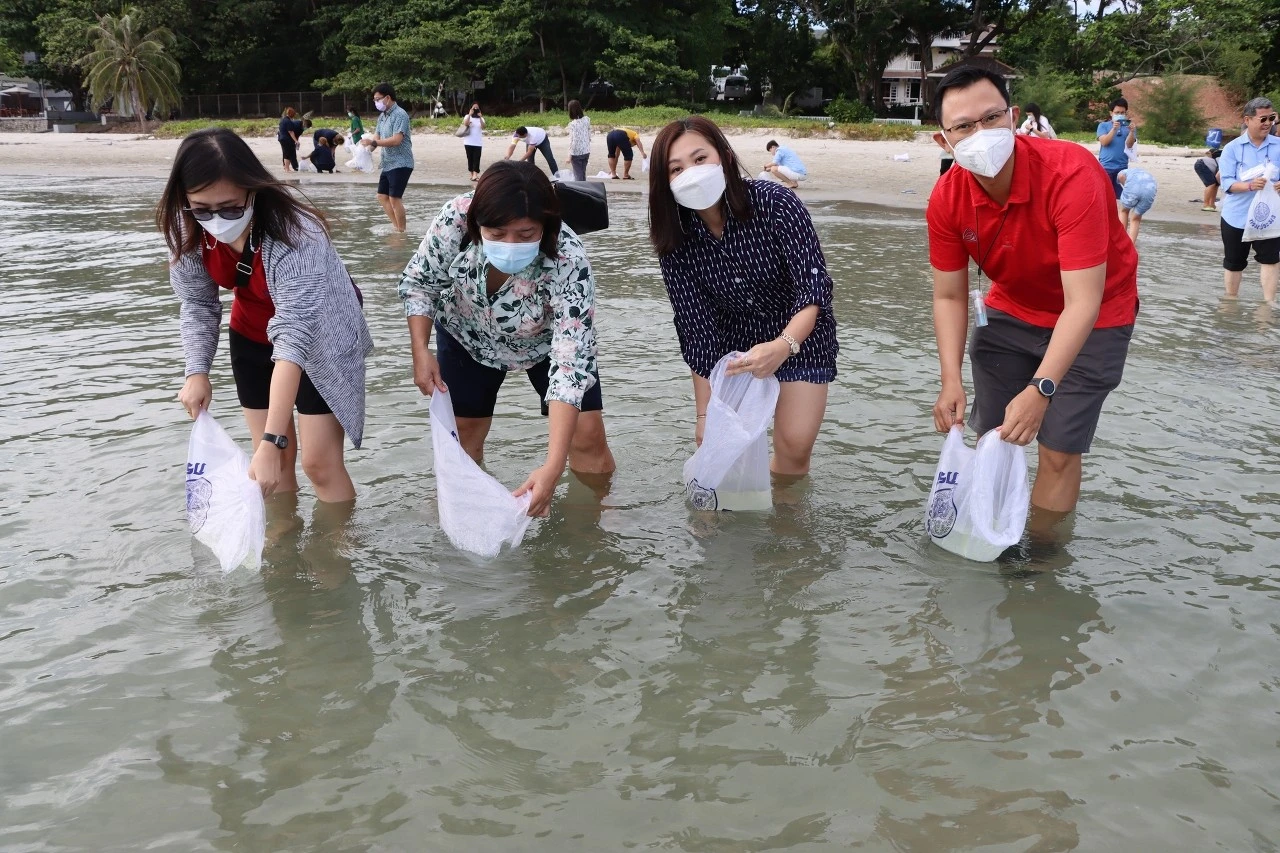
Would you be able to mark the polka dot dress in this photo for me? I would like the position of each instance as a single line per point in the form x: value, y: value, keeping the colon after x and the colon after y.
x: 742, y: 290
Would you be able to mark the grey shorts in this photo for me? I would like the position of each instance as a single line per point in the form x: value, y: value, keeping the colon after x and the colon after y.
x: 1005, y: 354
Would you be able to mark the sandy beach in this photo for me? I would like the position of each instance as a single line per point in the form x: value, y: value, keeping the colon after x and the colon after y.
x: 839, y: 169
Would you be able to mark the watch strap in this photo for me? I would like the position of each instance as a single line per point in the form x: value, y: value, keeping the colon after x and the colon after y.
x: 792, y: 343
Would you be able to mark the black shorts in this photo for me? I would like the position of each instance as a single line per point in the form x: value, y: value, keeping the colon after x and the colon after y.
x: 617, y: 140
x: 1004, y: 355
x: 251, y: 365
x: 1207, y: 176
x: 1235, y: 251
x: 393, y: 181
x: 1115, y: 184
x: 473, y: 387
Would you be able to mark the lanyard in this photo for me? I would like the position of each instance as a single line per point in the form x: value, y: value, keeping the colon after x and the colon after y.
x: 975, y: 294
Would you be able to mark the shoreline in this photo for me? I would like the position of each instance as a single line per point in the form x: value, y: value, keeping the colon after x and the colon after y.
x: 864, y: 172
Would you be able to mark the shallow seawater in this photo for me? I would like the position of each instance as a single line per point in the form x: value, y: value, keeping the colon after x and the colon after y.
x: 636, y: 675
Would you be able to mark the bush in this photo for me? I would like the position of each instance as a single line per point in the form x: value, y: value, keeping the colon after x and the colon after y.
x: 1170, y: 113
x: 1061, y: 97
x: 849, y: 112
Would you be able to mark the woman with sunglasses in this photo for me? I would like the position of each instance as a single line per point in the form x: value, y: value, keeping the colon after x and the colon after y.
x: 298, y: 335
x: 1247, y: 163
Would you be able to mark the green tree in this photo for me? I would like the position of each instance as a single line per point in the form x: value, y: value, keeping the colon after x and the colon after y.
x: 10, y: 62
x: 131, y: 66
x: 1171, y: 113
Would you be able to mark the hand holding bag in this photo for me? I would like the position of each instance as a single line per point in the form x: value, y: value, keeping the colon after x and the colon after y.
x: 980, y: 498
x: 224, y: 507
x: 1263, y: 221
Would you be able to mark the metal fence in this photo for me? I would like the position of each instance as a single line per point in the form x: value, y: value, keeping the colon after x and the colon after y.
x: 264, y: 104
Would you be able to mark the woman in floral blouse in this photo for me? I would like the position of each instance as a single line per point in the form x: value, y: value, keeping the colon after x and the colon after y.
x: 509, y: 288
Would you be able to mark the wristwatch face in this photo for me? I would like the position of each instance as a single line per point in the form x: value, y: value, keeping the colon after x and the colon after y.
x: 1046, y: 387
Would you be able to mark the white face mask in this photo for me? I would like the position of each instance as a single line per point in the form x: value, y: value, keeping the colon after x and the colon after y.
x: 699, y: 187
x: 986, y: 152
x: 228, y: 230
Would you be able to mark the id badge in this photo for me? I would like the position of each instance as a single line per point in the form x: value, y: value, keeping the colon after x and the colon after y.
x: 979, y: 307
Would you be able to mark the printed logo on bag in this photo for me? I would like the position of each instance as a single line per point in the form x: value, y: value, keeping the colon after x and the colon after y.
x: 199, y: 494
x: 1262, y: 217
x: 969, y: 235
x: 701, y: 497
x: 942, y: 509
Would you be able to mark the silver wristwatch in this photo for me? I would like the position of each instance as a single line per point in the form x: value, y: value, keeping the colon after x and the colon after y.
x: 792, y: 343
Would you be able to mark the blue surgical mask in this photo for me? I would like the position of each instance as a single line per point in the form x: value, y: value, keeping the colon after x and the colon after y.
x: 510, y: 258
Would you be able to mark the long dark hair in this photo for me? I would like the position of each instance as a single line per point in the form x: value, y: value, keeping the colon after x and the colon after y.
x: 514, y: 189
x: 214, y: 154
x: 666, y: 229
x: 1033, y: 110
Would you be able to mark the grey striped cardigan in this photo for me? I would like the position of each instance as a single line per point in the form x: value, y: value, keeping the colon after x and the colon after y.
x: 318, y: 321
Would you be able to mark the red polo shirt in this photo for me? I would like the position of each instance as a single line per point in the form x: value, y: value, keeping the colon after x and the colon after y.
x: 1061, y: 216
x: 252, y: 307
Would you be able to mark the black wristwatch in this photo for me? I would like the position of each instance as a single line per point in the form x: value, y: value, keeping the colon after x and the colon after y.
x: 281, y: 441
x: 1045, y: 386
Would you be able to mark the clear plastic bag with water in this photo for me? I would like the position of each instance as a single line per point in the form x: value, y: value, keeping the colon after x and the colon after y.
x: 980, y: 498
x: 1263, y: 220
x: 224, y: 507
x: 361, y: 160
x: 477, y: 512
x: 730, y: 470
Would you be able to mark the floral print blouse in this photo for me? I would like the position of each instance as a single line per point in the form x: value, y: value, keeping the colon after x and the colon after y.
x: 545, y: 311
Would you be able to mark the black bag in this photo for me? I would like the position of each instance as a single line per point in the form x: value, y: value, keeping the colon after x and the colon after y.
x: 584, y: 206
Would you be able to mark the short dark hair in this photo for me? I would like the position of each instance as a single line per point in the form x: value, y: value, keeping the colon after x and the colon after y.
x: 214, y: 154
x: 1119, y: 102
x: 522, y: 131
x: 575, y: 109
x: 386, y: 90
x: 666, y: 223
x: 962, y: 77
x: 514, y: 189
x: 771, y: 144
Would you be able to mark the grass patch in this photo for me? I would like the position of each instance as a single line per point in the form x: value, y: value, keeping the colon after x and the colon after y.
x: 648, y: 119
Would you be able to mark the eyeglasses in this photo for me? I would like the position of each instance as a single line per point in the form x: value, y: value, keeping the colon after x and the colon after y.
x: 204, y: 214
x: 988, y: 121
x: 1271, y: 119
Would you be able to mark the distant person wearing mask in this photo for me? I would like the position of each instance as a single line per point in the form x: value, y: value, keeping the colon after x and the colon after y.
x: 621, y: 140
x: 473, y: 142
x: 1036, y: 124
x: 287, y: 135
x: 357, y: 126
x: 579, y: 140
x: 1115, y: 137
x: 785, y: 166
x: 1207, y: 170
x: 535, y: 140
x: 393, y: 137
x: 1138, y: 196
x: 1242, y: 165
x: 1053, y: 340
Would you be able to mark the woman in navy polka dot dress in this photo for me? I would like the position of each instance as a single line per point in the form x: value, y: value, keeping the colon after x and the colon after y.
x: 744, y: 271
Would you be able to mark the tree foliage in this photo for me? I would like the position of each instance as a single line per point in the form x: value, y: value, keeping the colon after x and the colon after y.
x: 129, y: 65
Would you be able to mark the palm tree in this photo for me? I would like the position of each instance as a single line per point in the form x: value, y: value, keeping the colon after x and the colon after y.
x: 129, y: 67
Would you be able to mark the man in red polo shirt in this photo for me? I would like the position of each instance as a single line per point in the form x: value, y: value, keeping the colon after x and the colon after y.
x: 1038, y: 218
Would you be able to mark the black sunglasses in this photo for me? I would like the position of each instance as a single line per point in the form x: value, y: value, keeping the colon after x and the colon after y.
x: 1271, y: 119
x: 204, y: 214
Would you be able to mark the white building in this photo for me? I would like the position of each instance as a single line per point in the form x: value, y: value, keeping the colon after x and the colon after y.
x: 21, y: 96
x: 903, y: 84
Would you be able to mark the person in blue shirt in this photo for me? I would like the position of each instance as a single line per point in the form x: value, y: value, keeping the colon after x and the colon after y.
x: 1116, y: 138
x: 1138, y: 197
x: 785, y: 166
x: 1247, y: 163
x: 394, y: 137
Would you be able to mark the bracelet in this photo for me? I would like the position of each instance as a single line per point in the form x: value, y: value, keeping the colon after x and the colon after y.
x: 700, y: 417
x: 792, y: 344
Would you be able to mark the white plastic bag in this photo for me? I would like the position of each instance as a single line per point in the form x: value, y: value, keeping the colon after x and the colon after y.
x: 603, y: 175
x: 1263, y: 221
x: 730, y: 470
x: 224, y: 507
x: 477, y: 513
x: 361, y: 160
x: 644, y: 165
x: 305, y: 165
x: 980, y: 498
x: 1132, y: 153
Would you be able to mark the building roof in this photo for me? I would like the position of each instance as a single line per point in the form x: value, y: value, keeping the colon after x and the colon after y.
x: 985, y: 62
